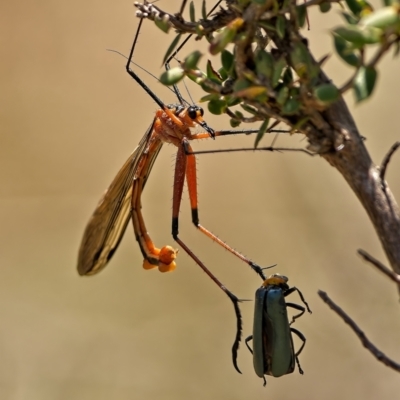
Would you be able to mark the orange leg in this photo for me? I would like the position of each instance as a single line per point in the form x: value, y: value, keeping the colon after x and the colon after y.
x: 153, y: 257
x: 183, y: 163
x: 191, y: 179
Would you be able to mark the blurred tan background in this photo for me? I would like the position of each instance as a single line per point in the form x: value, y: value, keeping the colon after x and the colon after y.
x: 70, y: 116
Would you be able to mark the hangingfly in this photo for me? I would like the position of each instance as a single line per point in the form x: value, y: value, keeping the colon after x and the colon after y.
x: 122, y: 200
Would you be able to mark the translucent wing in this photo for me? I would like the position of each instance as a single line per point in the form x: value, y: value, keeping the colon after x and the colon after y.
x: 111, y: 216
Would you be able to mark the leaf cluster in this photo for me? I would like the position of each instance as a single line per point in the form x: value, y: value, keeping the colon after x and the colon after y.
x: 265, y: 65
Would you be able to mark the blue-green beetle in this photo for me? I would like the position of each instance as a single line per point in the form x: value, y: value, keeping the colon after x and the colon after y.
x: 273, y: 350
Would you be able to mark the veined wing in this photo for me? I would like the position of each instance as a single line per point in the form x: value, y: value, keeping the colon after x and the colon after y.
x: 111, y: 216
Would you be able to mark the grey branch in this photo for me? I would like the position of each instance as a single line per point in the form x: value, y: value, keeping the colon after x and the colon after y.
x: 360, y: 334
x: 387, y: 159
x: 367, y: 257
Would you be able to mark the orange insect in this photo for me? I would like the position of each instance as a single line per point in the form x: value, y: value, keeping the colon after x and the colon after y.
x: 122, y: 201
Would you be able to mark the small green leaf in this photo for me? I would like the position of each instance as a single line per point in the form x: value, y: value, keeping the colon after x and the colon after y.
x: 278, y: 68
x: 288, y: 76
x: 192, y: 12
x: 251, y: 92
x: 390, y: 2
x: 294, y: 92
x: 261, y: 132
x: 172, y: 76
x: 366, y: 8
x: 264, y: 64
x: 192, y: 59
x: 359, y: 36
x: 241, y: 84
x: 195, y: 77
x: 234, y: 122
x: 384, y: 18
x: 282, y: 96
x: 249, y: 109
x: 259, y: 2
x: 232, y: 101
x: 280, y: 26
x: 222, y: 73
x: 227, y: 60
x: 226, y: 36
x: 354, y: 7
x: 300, y: 58
x: 301, y: 15
x: 207, y: 88
x: 171, y: 47
x: 267, y: 26
x: 325, y: 7
x: 203, y: 10
x: 239, y: 114
x: 209, y: 97
x: 292, y: 106
x: 326, y: 93
x: 162, y: 24
x: 222, y: 40
x: 364, y: 83
x: 217, y: 107
x: 350, y: 19
x: 345, y: 51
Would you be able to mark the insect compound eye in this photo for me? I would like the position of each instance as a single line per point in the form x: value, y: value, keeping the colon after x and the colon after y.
x: 195, y: 111
x: 192, y: 112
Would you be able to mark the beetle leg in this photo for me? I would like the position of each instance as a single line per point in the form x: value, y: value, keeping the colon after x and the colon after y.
x: 246, y: 341
x: 303, y: 338
x: 294, y: 289
x: 265, y: 381
x: 297, y: 307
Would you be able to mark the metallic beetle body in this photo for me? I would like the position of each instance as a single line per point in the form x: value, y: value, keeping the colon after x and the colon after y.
x: 273, y: 349
x: 271, y: 334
